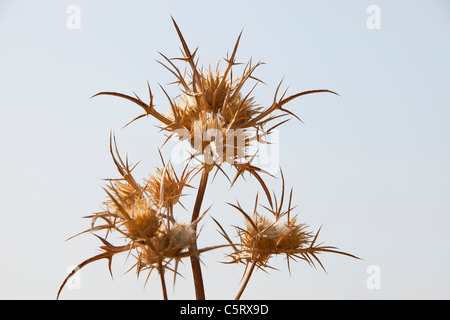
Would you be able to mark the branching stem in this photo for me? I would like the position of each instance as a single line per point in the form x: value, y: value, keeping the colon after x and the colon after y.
x: 163, y: 281
x: 195, y: 260
x: 247, y: 279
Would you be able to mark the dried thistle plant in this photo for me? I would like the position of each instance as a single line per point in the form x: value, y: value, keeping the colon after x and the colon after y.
x: 220, y: 121
x: 279, y: 234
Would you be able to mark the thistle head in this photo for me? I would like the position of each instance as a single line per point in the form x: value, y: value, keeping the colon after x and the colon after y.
x: 122, y: 192
x: 265, y: 237
x: 275, y: 233
x: 142, y: 220
x: 165, y: 187
x: 171, y: 242
x: 273, y: 236
x: 215, y: 99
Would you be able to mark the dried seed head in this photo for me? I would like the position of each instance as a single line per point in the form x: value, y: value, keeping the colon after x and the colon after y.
x: 123, y: 193
x: 175, y: 240
x: 217, y: 96
x: 164, y: 187
x: 215, y: 99
x: 169, y: 243
x: 265, y: 237
x: 295, y: 237
x: 143, y: 220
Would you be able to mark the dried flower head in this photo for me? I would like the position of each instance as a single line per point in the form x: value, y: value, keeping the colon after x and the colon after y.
x: 126, y: 192
x: 165, y: 187
x: 170, y: 243
x: 265, y: 237
x: 142, y: 215
x: 278, y: 234
x: 142, y: 220
x: 213, y: 112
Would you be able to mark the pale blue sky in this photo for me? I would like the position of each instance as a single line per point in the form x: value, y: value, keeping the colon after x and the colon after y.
x: 371, y: 166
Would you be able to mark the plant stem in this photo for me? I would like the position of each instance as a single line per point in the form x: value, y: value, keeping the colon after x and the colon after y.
x: 195, y: 261
x: 163, y: 281
x: 247, y: 278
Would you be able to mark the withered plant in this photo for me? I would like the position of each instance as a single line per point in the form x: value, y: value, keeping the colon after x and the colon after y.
x: 220, y: 121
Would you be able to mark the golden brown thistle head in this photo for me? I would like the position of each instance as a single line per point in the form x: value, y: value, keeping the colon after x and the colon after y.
x: 165, y: 187
x: 213, y: 112
x: 264, y: 237
x: 123, y: 192
x: 214, y: 99
x: 139, y: 216
x: 277, y: 234
x: 171, y: 242
x: 142, y: 220
x: 142, y: 215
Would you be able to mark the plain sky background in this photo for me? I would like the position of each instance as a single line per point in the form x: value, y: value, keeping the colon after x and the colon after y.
x: 372, y: 166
